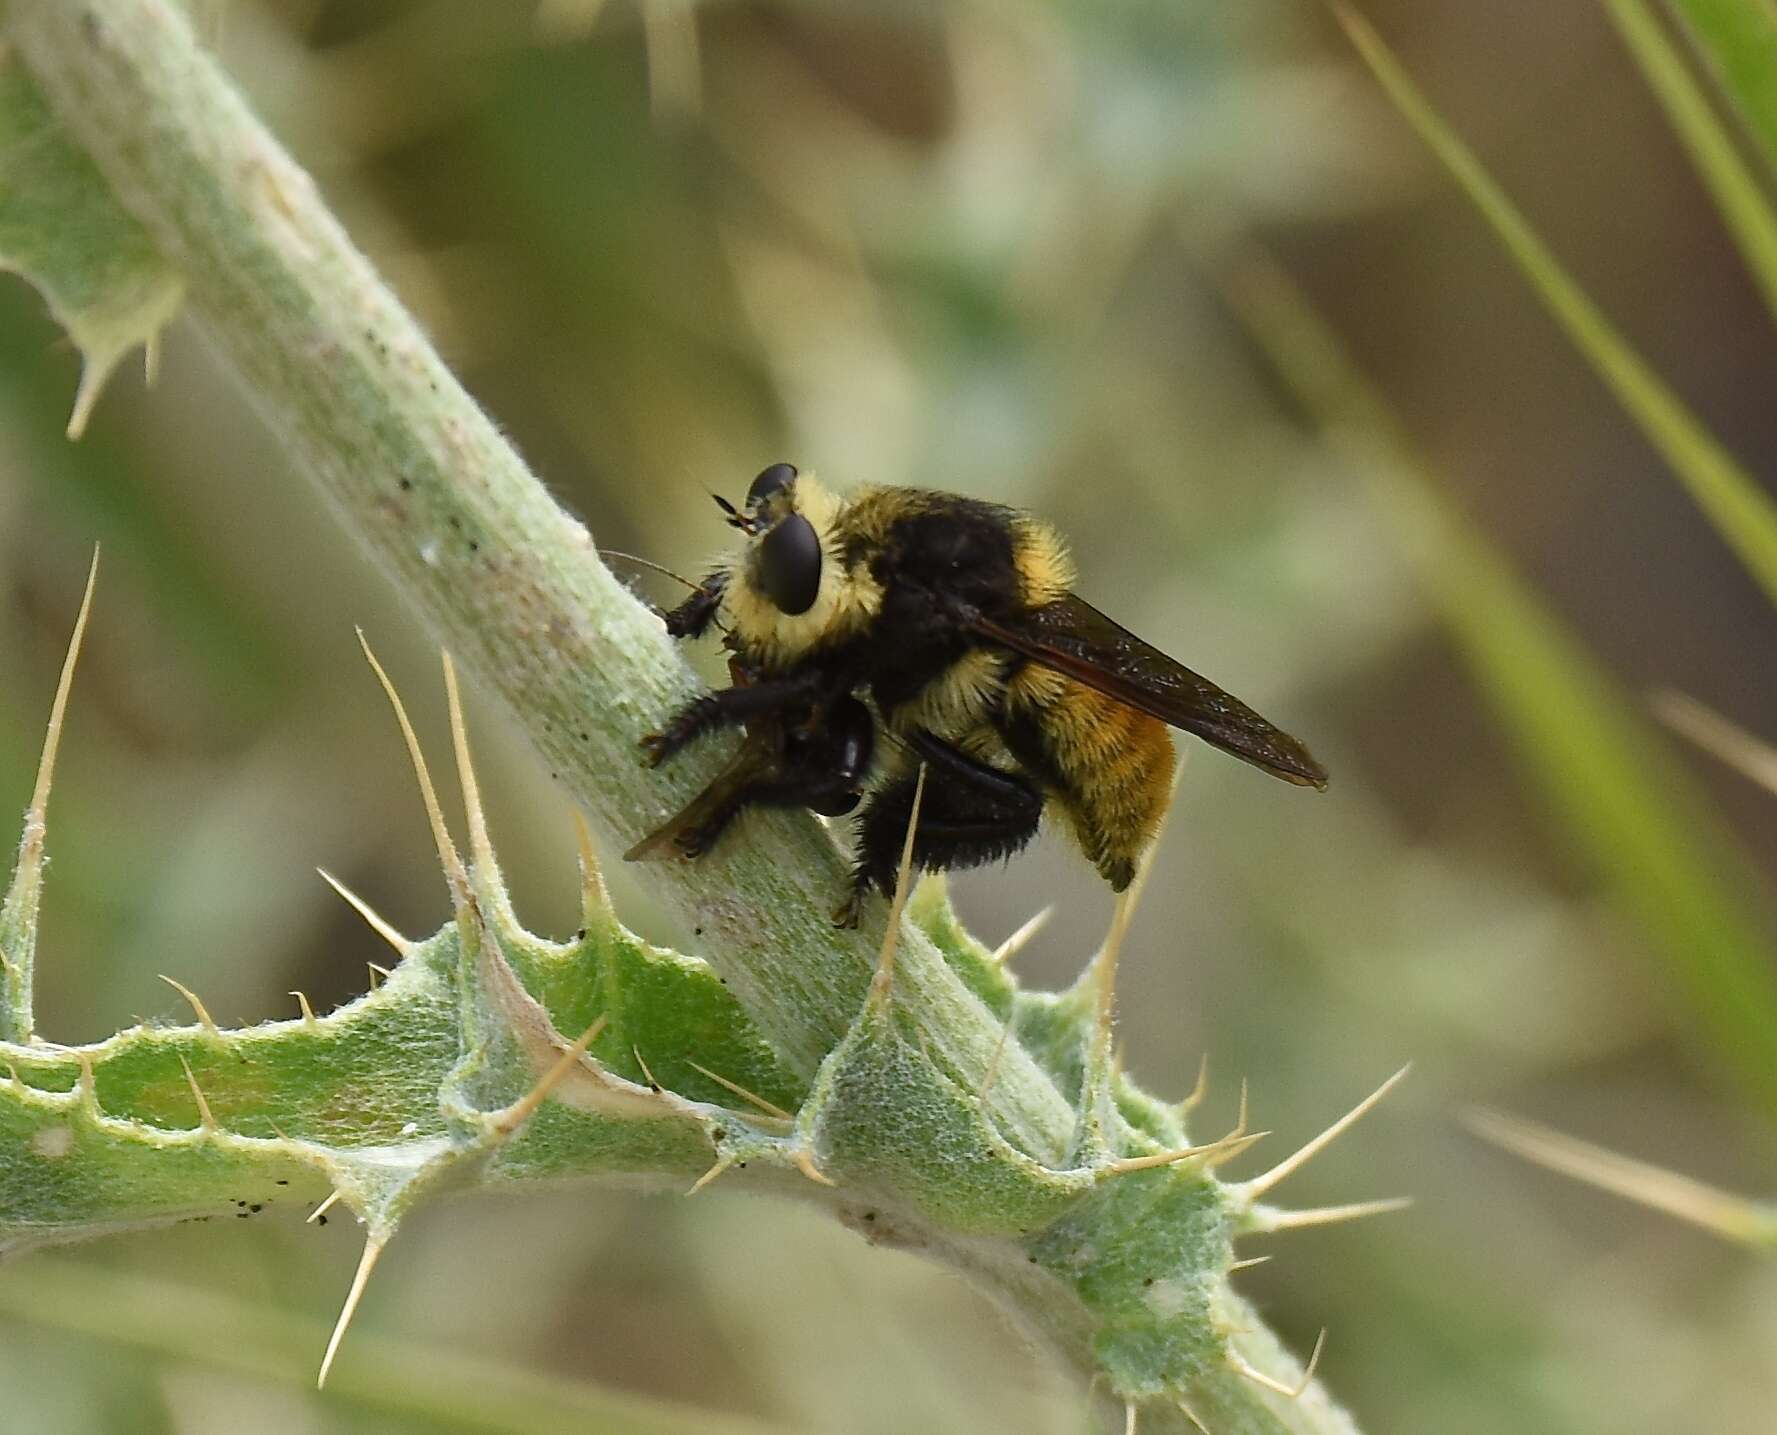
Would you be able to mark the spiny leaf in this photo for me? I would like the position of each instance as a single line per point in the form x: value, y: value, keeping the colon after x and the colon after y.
x: 62, y: 229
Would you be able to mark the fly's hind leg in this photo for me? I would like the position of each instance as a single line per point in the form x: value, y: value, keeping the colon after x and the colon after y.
x: 972, y: 813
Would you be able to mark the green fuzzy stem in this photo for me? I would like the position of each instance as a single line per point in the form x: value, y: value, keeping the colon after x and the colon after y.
x: 910, y: 1112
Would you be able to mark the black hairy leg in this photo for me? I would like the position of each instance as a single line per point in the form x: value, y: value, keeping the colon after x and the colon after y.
x: 726, y: 707
x: 971, y: 813
x: 818, y: 763
x: 692, y: 618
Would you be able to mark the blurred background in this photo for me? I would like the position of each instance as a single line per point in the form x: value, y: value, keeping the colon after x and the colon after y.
x: 983, y: 247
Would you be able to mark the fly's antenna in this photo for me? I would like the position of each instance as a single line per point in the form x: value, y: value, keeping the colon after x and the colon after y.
x: 736, y: 519
x: 650, y: 563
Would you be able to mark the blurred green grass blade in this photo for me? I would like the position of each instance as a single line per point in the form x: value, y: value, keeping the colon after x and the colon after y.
x: 1737, y: 192
x: 1606, y: 772
x: 1739, y: 40
x: 1741, y: 511
x: 455, y: 1389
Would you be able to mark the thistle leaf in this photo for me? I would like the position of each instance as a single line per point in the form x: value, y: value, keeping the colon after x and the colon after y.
x: 64, y: 231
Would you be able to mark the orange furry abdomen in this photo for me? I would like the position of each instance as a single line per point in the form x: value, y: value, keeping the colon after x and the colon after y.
x: 1114, y: 767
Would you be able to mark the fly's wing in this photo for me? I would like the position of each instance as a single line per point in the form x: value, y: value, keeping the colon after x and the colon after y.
x: 1075, y: 639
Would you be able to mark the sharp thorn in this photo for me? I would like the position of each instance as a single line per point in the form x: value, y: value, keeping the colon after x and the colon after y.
x: 403, y: 946
x: 883, y: 981
x: 203, y: 1017
x: 1226, y: 1149
x: 205, y: 1118
x: 481, y: 848
x: 521, y: 1111
x: 1198, y: 1092
x: 1016, y: 943
x: 58, y: 709
x: 1239, y: 1364
x: 1191, y: 1415
x: 595, y: 897
x: 804, y: 1162
x: 1260, y: 1220
x: 1320, y: 1344
x: 447, y: 851
x: 373, y: 1249
x: 322, y: 1209
x: 1247, y: 1264
x: 308, y: 1012
x: 653, y: 1085
x: 1287, y: 1167
x: 1239, y: 1130
x: 768, y: 1107
x: 720, y: 1168
x: 1104, y: 965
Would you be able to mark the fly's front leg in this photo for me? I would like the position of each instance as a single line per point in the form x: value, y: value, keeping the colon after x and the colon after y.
x: 692, y: 618
x: 725, y: 708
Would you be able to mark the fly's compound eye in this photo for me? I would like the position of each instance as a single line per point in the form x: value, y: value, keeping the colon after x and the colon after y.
x: 779, y: 475
x: 789, y: 564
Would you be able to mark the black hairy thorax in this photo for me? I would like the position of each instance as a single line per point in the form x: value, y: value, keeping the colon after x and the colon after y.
x: 936, y: 569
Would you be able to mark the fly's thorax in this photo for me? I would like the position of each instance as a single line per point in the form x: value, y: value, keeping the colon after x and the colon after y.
x: 1045, y: 567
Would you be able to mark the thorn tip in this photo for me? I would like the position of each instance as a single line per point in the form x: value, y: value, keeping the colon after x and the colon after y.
x: 1294, y: 1162
x: 204, y: 1018
x: 373, y: 1249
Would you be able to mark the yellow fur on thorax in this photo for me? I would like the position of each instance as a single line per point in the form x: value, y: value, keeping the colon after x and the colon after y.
x: 1043, y: 562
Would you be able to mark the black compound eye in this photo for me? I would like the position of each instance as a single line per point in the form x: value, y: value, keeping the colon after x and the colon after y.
x: 779, y: 475
x: 790, y: 564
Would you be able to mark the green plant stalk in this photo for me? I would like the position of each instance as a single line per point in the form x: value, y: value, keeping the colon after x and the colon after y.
x: 1745, y: 207
x: 1743, y: 514
x: 1739, y: 40
x: 1604, y: 769
x: 1001, y: 1157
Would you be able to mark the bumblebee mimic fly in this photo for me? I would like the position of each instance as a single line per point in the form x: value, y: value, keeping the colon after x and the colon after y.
x: 871, y: 632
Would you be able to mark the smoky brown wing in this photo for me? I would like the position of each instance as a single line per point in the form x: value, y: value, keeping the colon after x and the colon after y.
x: 1075, y: 639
